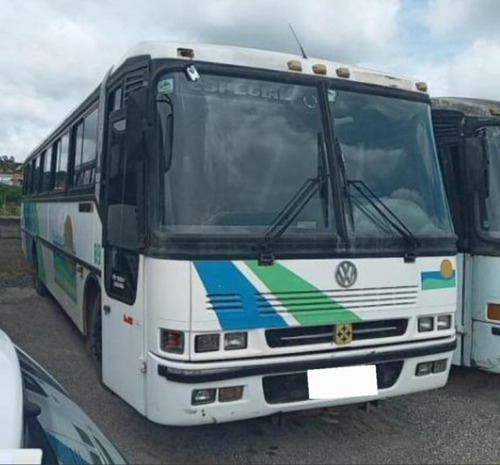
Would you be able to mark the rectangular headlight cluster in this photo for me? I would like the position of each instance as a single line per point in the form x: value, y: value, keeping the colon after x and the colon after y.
x: 426, y: 368
x: 211, y: 342
x: 173, y: 341
x: 208, y: 396
x: 430, y: 323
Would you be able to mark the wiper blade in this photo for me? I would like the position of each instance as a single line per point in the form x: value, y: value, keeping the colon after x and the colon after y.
x: 384, y: 211
x: 295, y: 205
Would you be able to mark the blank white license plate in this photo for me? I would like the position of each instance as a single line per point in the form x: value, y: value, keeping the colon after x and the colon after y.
x: 342, y: 382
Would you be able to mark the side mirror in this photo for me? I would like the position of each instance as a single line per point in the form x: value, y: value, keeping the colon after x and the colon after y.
x: 476, y: 163
x: 137, y: 138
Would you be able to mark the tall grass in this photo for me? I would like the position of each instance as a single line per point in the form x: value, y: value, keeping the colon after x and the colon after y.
x: 10, y: 200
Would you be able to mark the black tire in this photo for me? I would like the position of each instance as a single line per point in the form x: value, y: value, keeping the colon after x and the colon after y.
x: 38, y: 284
x: 94, y: 336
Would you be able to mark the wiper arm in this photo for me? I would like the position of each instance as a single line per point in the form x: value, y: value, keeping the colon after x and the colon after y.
x: 295, y: 205
x: 386, y: 213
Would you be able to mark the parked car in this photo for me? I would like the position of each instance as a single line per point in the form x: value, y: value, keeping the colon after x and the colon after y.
x: 37, y: 413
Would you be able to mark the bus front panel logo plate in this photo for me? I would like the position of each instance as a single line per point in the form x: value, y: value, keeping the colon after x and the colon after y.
x: 346, y: 274
x: 343, y: 334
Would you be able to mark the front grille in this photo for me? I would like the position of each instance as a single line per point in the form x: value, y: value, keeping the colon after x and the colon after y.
x: 324, y: 301
x: 307, y: 335
x: 283, y: 389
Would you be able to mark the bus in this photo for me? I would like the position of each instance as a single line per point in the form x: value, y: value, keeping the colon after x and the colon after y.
x: 227, y: 225
x: 467, y: 133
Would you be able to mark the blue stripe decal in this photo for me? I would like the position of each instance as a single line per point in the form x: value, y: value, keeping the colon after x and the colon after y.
x: 224, y: 283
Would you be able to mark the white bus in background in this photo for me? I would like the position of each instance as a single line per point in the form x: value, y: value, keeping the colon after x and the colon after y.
x: 221, y: 223
x: 467, y: 133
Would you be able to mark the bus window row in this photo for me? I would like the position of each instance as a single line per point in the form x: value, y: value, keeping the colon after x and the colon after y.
x: 68, y: 162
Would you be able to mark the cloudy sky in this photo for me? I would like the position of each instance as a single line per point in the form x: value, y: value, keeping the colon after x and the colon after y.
x: 54, y: 52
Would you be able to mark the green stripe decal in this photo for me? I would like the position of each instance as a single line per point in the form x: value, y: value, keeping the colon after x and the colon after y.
x: 305, y: 302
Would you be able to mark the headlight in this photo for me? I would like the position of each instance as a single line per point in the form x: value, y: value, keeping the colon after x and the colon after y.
x: 443, y: 322
x: 425, y: 323
x: 203, y: 396
x: 206, y: 343
x: 172, y: 341
x: 234, y: 341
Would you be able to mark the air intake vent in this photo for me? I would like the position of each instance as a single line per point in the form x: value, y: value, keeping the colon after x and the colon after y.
x: 307, y: 335
x: 135, y: 80
x: 447, y: 124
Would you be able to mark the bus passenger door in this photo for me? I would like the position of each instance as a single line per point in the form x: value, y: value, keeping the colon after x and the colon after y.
x: 123, y: 325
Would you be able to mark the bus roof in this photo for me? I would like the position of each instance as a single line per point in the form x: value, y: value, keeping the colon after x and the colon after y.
x: 264, y: 59
x: 468, y: 106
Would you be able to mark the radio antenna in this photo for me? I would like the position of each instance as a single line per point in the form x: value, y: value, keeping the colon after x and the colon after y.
x: 298, y: 42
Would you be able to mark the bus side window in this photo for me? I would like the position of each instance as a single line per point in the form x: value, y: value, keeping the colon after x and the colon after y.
x: 47, y: 171
x: 77, y: 165
x: 62, y: 163
x: 37, y: 177
x: 31, y: 188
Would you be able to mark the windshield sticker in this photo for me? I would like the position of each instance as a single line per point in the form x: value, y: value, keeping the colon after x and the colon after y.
x: 332, y: 95
x: 253, y: 89
x: 166, y: 86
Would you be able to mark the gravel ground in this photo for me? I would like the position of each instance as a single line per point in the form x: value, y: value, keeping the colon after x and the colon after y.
x: 457, y: 424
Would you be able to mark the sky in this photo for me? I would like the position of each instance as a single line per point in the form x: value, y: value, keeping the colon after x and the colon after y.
x: 54, y: 52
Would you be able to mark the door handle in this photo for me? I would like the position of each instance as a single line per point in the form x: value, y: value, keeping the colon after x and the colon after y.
x: 495, y: 331
x: 107, y: 309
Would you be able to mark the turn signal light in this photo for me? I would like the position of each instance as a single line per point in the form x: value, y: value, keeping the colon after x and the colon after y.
x: 493, y: 311
x: 172, y: 341
x: 230, y: 394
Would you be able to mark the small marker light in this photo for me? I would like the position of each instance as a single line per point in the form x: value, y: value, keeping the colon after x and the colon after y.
x: 319, y: 69
x: 343, y: 72
x: 421, y: 86
x: 294, y: 65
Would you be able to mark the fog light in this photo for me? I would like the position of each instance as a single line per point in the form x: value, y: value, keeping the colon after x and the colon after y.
x: 439, y: 366
x: 203, y: 396
x: 234, y: 341
x: 425, y: 324
x: 172, y: 341
x: 424, y: 369
x: 206, y: 343
x: 230, y: 394
x: 443, y: 322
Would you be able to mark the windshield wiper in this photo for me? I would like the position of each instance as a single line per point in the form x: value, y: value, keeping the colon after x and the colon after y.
x: 386, y: 213
x: 295, y: 205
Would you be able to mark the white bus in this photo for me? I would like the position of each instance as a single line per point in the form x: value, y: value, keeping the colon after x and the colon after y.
x: 222, y: 222
x: 467, y: 133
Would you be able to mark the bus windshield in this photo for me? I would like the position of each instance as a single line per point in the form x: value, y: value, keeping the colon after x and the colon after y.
x: 387, y: 146
x: 241, y: 149
x: 490, y: 217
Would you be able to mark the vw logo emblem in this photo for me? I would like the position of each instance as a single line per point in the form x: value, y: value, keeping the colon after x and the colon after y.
x: 346, y: 274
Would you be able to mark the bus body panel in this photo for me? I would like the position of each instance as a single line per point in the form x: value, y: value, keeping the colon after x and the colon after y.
x: 485, y: 332
x: 176, y: 408
x: 123, y: 349
x: 68, y: 247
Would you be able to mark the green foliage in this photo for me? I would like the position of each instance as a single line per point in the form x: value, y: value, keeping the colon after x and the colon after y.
x: 10, y: 200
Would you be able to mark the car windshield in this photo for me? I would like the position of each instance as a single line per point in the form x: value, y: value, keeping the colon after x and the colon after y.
x: 388, y: 150
x: 241, y: 149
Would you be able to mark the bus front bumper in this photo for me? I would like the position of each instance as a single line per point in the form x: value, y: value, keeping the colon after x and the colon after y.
x: 279, y: 384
